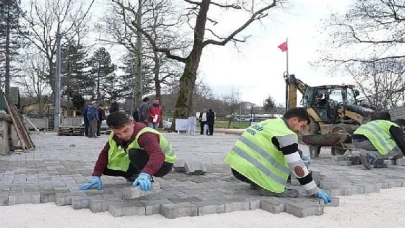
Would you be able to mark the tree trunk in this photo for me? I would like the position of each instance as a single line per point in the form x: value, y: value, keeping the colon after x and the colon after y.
x: 138, y: 81
x: 156, y: 70
x: 7, y: 73
x: 184, y: 104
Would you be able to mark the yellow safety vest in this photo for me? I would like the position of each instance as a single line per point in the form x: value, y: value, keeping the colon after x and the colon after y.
x: 378, y: 132
x: 255, y: 156
x: 118, y: 157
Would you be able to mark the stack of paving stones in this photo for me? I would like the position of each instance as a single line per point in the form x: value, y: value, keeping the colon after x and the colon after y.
x: 54, y: 171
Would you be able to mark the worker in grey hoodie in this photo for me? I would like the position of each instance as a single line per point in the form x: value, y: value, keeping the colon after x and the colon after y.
x: 144, y: 111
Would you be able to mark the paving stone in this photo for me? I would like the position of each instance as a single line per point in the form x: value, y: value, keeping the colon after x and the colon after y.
x: 254, y: 204
x: 343, y: 163
x: 136, y: 192
x: 178, y: 166
x: 210, y: 207
x: 185, y: 200
x: 273, y: 206
x: 304, y: 209
x: 24, y: 198
x: 400, y: 162
x: 316, y: 175
x: 339, y: 158
x: 394, y: 184
x: 389, y: 162
x: 100, y: 204
x: 172, y: 211
x: 153, y: 206
x: 65, y: 198
x: 236, y: 205
x: 371, y: 188
x: 47, y: 196
x: 195, y: 168
x: 80, y: 202
x: 120, y: 208
x: 4, y: 200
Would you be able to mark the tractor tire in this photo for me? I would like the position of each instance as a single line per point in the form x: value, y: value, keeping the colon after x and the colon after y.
x: 342, y: 128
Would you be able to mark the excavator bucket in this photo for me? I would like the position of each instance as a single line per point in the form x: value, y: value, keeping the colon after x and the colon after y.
x: 330, y: 139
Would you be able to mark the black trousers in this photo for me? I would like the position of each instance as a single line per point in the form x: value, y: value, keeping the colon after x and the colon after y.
x: 86, y: 128
x: 240, y: 177
x: 211, y: 129
x: 98, y: 127
x: 138, y: 158
x: 202, y: 124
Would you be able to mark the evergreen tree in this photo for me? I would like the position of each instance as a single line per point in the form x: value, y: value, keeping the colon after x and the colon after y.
x: 102, y: 68
x: 11, y: 39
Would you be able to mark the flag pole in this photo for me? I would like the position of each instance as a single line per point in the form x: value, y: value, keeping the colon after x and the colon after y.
x: 287, y: 75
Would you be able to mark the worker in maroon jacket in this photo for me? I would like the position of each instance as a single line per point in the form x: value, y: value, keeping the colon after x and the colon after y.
x: 133, y: 151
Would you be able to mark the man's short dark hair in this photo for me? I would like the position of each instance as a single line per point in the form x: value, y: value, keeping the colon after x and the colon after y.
x: 300, y: 113
x: 145, y: 99
x: 117, y: 120
x: 400, y: 122
x: 381, y: 116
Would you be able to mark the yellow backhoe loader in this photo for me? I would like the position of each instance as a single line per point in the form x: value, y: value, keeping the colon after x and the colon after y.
x: 334, y: 111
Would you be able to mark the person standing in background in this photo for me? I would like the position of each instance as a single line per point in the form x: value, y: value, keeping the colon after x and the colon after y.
x: 143, y: 112
x: 92, y: 116
x: 135, y: 115
x: 101, y: 117
x: 155, y: 114
x: 114, y: 106
x: 86, y: 121
x: 210, y: 121
x: 203, y: 121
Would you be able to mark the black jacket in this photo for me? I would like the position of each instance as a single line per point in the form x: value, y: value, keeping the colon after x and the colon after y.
x: 210, y: 118
x: 114, y: 107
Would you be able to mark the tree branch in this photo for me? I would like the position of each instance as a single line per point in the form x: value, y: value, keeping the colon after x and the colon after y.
x: 234, y: 6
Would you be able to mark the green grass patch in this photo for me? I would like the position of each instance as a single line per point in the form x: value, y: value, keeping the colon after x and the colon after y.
x: 234, y: 125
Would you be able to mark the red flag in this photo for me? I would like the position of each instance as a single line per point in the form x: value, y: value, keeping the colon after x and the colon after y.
x: 283, y: 47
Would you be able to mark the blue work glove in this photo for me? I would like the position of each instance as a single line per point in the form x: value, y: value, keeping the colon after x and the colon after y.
x: 144, y: 181
x: 94, y: 181
x: 305, y: 157
x: 323, y: 195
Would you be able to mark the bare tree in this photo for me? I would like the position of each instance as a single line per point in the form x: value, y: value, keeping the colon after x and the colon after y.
x: 365, y: 41
x: 198, y: 13
x: 46, y: 18
x: 120, y: 30
x: 232, y: 102
x: 34, y: 81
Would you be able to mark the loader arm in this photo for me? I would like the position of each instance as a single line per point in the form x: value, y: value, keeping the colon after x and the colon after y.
x: 294, y: 84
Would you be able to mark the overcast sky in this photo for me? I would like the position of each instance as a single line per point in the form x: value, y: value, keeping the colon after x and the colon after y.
x: 257, y: 67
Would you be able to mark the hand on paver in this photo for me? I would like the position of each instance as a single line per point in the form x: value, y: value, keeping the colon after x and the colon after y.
x: 305, y: 157
x: 323, y: 195
x: 144, y: 181
x: 94, y: 181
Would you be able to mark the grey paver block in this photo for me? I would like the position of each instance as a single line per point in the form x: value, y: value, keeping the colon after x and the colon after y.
x: 210, y: 207
x: 400, y: 162
x: 65, y: 198
x: 185, y: 200
x: 172, y: 211
x: 179, y: 166
x: 273, y: 206
x: 371, y: 188
x: 4, y: 200
x: 47, y: 196
x: 389, y: 162
x: 316, y: 175
x: 343, y: 163
x: 236, y: 205
x: 195, y: 168
x: 101, y: 204
x: 394, y: 184
x: 153, y: 206
x: 136, y: 192
x: 304, y: 209
x: 80, y: 202
x: 254, y: 204
x: 339, y: 158
x: 24, y: 198
x: 120, y: 208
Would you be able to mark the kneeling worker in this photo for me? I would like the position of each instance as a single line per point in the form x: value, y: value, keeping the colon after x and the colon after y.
x: 133, y: 151
x: 267, y: 152
x: 379, y: 139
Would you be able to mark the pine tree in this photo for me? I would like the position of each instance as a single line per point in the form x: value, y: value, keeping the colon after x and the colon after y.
x: 102, y: 74
x: 11, y: 40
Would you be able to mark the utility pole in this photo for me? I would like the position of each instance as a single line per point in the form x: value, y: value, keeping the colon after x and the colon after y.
x: 57, y: 82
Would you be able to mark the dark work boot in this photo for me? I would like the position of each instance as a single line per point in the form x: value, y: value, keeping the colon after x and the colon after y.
x: 367, y: 159
x: 379, y: 163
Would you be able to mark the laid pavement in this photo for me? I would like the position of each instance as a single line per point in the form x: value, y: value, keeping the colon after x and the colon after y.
x: 57, y: 167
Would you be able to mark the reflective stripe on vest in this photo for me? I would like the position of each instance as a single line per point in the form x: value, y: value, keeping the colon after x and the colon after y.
x: 255, y: 157
x: 378, y: 133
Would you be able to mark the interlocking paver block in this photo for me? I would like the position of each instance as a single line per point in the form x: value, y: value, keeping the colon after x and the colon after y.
x: 80, y: 202
x: 273, y: 206
x: 47, y: 196
x: 236, y: 205
x: 179, y: 166
x: 400, y: 162
x: 100, y: 204
x: 153, y: 206
x: 117, y: 208
x: 210, y: 207
x: 339, y: 158
x: 195, y: 168
x: 4, y: 201
x: 24, y: 198
x: 172, y: 211
x: 304, y: 209
x: 65, y: 198
x: 136, y: 192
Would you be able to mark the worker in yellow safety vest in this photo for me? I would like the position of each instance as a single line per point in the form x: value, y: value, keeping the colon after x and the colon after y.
x: 267, y: 152
x: 379, y: 140
x: 133, y: 151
